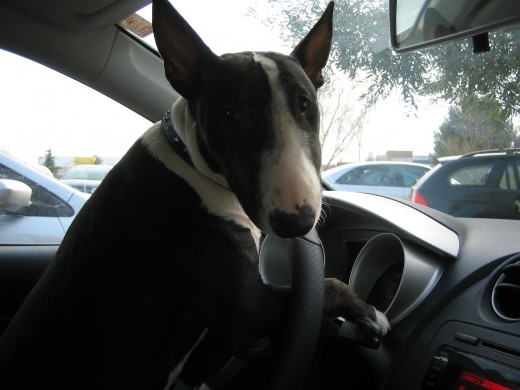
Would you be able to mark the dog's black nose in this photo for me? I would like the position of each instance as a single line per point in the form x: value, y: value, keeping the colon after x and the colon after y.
x: 289, y: 225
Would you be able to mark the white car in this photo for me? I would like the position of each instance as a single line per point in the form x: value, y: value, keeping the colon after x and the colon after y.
x: 389, y: 178
x: 35, y: 208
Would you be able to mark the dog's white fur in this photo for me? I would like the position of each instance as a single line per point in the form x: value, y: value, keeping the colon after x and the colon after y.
x: 289, y: 162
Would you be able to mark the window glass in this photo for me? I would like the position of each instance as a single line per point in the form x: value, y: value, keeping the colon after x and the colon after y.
x: 509, y: 179
x: 378, y: 175
x: 395, y: 177
x: 475, y: 175
x: 42, y: 110
x: 371, y: 176
x: 352, y: 177
x: 49, y: 119
x: 411, y: 175
x: 43, y: 202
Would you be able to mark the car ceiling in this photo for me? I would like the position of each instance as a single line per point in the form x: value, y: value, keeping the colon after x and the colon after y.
x: 80, y: 39
x: 81, y: 14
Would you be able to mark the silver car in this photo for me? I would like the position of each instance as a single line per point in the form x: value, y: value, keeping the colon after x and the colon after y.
x: 389, y: 178
x: 86, y: 177
x: 35, y: 208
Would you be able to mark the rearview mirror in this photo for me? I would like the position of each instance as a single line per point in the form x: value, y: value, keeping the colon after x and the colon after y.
x: 421, y: 23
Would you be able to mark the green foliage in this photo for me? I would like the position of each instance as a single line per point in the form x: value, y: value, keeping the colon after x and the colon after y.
x: 49, y: 162
x: 362, y: 50
x: 474, y: 124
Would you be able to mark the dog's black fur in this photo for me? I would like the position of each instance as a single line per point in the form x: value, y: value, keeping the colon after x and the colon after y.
x: 151, y: 261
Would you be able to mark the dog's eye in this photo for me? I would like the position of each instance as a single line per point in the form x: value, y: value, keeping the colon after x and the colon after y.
x: 303, y: 103
x: 231, y: 114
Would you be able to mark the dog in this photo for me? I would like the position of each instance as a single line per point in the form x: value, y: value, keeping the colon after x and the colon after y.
x: 167, y: 247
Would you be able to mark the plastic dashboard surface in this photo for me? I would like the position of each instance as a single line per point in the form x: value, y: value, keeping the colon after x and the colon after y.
x: 401, y: 251
x: 434, y: 276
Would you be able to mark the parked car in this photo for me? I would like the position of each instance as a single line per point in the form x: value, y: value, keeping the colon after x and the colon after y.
x: 86, y: 177
x: 482, y: 184
x: 448, y: 285
x: 389, y: 178
x: 35, y: 208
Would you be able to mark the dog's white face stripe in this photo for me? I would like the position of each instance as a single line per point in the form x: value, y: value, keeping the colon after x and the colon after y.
x: 288, y: 178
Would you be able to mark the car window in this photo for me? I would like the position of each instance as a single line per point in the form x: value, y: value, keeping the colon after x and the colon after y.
x: 510, y: 177
x: 475, y: 175
x: 88, y: 173
x: 352, y: 177
x: 376, y: 175
x: 62, y: 118
x: 43, y: 202
x: 49, y: 119
x: 372, y: 177
x: 411, y: 175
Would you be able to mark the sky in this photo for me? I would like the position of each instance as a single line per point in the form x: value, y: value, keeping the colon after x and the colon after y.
x: 41, y: 109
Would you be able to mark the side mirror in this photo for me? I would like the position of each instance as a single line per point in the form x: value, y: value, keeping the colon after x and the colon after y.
x: 14, y: 195
x: 420, y: 23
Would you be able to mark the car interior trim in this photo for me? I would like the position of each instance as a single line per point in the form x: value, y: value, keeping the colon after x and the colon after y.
x: 408, y: 219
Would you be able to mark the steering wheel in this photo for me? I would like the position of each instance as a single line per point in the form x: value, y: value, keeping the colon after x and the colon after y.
x: 298, y: 262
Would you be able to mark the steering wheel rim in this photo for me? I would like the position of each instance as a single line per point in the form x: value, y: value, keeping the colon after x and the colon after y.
x: 304, y: 256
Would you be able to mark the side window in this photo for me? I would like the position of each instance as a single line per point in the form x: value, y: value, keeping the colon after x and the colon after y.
x: 510, y: 177
x: 412, y: 174
x: 43, y: 202
x: 371, y: 177
x: 375, y: 176
x: 47, y: 118
x: 61, y: 117
x: 396, y: 178
x: 367, y: 176
x: 474, y: 175
x: 352, y: 177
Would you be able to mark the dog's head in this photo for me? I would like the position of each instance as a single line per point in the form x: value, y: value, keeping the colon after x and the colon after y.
x: 257, y: 118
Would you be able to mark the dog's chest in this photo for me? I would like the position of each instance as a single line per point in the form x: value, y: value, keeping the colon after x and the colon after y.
x: 217, y: 199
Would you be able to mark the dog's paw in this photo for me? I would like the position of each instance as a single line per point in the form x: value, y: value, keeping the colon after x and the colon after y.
x: 383, y: 322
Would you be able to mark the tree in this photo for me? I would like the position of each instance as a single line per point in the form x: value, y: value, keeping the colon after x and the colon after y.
x: 49, y: 162
x: 340, y: 123
x: 474, y: 124
x: 362, y: 50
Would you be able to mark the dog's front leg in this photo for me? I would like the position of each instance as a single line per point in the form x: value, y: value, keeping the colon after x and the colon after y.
x: 341, y: 300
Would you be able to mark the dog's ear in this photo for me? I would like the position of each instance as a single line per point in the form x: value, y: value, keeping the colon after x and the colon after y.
x: 313, y: 51
x: 186, y: 57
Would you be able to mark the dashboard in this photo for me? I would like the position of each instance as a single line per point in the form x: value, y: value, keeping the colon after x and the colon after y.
x: 449, y: 286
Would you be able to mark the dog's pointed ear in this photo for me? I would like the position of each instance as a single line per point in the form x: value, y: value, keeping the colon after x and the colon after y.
x: 187, y: 59
x: 313, y: 51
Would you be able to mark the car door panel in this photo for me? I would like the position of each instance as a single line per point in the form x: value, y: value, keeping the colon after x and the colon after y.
x: 20, y: 269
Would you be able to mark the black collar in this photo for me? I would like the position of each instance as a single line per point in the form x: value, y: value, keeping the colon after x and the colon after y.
x: 173, y: 138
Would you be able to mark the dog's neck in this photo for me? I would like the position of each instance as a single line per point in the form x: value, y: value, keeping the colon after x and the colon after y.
x: 211, y: 187
x: 186, y: 127
x: 173, y: 138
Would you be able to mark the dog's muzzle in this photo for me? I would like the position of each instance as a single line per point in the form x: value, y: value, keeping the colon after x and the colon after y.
x: 288, y: 225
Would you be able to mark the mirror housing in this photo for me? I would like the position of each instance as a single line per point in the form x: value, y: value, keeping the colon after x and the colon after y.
x: 14, y: 195
x: 417, y: 24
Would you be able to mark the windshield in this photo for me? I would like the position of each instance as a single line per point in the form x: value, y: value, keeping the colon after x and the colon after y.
x: 363, y: 119
x: 376, y: 104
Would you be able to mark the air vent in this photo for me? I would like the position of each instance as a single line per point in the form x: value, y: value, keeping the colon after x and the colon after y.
x: 506, y: 293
